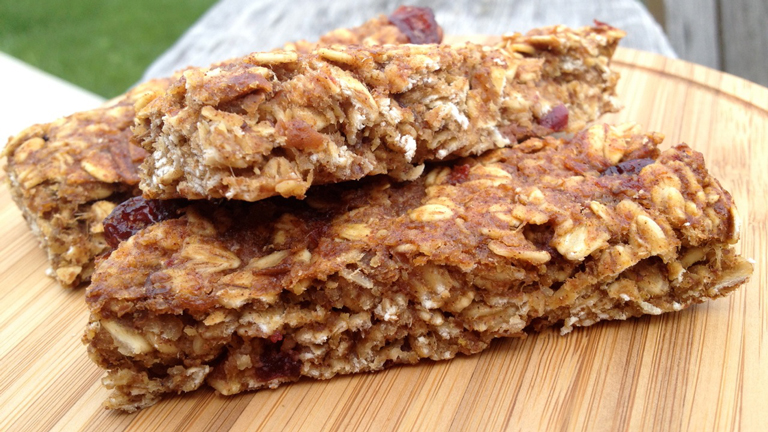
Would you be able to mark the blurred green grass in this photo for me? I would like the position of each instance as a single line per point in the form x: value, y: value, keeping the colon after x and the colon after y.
x: 101, y: 45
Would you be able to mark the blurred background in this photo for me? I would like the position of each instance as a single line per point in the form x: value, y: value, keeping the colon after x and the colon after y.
x: 729, y: 35
x: 117, y: 38
x: 120, y: 39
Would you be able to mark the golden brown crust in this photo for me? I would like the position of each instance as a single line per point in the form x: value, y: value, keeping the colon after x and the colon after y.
x: 277, y: 123
x: 66, y: 176
x: 362, y: 275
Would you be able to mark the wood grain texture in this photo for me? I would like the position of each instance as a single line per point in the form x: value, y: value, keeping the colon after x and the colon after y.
x: 705, y: 368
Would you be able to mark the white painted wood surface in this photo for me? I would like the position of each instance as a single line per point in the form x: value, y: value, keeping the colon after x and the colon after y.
x: 744, y: 31
x: 693, y: 32
x: 31, y: 96
x: 730, y: 35
x: 236, y: 27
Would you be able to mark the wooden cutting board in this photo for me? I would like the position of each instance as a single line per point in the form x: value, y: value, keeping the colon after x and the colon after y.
x: 705, y: 368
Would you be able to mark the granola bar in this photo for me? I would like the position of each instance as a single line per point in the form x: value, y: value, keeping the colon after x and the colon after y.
x: 363, y: 275
x: 66, y: 176
x: 276, y: 123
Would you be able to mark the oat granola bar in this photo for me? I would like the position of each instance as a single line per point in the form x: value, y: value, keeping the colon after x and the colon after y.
x: 66, y: 176
x: 362, y: 275
x: 276, y: 123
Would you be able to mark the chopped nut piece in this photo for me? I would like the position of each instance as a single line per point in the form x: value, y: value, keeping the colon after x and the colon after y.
x: 128, y: 341
x: 68, y: 275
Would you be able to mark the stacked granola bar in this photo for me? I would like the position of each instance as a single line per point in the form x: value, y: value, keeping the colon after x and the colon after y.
x: 340, y: 207
x: 66, y: 176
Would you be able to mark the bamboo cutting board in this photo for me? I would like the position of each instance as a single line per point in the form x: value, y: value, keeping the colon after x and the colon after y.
x: 705, y: 368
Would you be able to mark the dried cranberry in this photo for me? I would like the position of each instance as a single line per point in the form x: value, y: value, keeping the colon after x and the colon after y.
x: 418, y: 23
x: 599, y: 23
x: 556, y: 119
x: 135, y: 214
x: 630, y: 167
x: 300, y: 135
x: 459, y: 174
x: 277, y: 364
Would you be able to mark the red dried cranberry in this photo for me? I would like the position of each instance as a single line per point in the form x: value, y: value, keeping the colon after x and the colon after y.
x: 630, y: 167
x: 418, y: 23
x: 277, y: 364
x: 135, y: 214
x: 599, y: 23
x: 556, y: 119
x: 459, y: 174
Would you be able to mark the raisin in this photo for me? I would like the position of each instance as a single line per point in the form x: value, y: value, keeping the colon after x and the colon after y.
x: 599, y: 23
x: 630, y: 167
x: 556, y: 119
x: 135, y: 214
x: 418, y: 24
x: 459, y: 174
x: 277, y: 364
x: 300, y: 135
